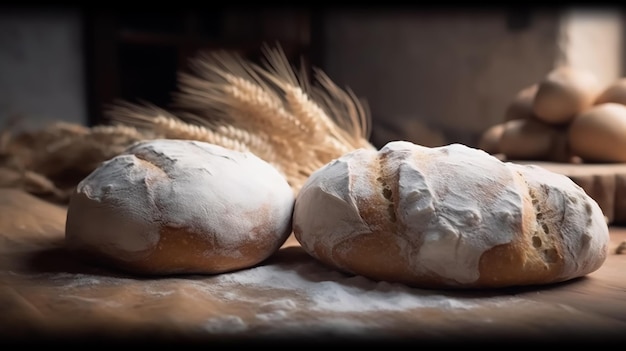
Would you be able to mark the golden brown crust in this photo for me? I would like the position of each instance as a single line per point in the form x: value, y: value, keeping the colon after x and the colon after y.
x: 533, y: 257
x: 180, y: 251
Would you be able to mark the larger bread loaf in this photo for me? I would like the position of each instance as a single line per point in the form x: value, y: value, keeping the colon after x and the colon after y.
x: 448, y: 217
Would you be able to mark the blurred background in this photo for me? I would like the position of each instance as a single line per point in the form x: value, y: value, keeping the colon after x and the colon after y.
x: 432, y: 76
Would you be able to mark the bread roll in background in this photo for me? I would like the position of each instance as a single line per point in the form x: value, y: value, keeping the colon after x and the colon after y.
x: 448, y: 217
x: 531, y: 139
x: 565, y: 92
x: 615, y: 92
x: 180, y: 206
x: 599, y: 133
x: 521, y: 107
x: 489, y: 140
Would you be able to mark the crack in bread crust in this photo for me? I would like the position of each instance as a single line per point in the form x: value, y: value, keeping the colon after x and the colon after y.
x: 534, y: 256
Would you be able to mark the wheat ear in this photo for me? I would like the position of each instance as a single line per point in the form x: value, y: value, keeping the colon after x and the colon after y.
x: 166, y: 125
x: 270, y: 109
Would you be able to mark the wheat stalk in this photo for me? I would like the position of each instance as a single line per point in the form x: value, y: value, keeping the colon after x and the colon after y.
x: 51, y: 161
x: 271, y: 110
x: 167, y: 125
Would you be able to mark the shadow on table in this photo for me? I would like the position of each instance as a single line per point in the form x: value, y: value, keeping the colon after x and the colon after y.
x: 56, y: 258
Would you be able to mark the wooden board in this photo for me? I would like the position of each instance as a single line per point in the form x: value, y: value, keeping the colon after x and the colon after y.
x: 605, y: 183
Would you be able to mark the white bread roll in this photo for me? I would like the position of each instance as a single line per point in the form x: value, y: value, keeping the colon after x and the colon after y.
x: 180, y: 206
x: 448, y: 217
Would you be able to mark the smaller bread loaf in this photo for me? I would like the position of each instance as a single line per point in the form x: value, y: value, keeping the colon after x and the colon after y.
x: 180, y: 206
x: 448, y: 217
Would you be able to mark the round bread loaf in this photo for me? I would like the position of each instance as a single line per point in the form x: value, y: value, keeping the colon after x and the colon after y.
x: 599, y: 133
x: 615, y: 92
x: 489, y: 140
x: 521, y: 107
x: 180, y: 206
x: 565, y: 92
x: 532, y: 139
x: 448, y: 217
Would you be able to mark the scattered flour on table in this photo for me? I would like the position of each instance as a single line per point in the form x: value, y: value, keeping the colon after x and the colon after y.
x: 230, y: 324
x: 86, y: 301
x: 278, y: 309
x: 332, y: 291
x: 303, y: 299
x: 295, y: 298
x: 74, y: 280
x: 303, y: 286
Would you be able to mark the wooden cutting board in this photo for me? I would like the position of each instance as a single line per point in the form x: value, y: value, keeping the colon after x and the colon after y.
x: 605, y: 183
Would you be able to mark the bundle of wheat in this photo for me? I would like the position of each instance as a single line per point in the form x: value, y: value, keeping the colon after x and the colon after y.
x: 49, y: 162
x: 272, y: 110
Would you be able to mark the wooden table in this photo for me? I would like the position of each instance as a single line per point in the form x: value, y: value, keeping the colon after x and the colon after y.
x: 47, y: 295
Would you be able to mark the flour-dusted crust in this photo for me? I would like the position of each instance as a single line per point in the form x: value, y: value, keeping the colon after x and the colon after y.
x: 448, y: 217
x: 180, y: 206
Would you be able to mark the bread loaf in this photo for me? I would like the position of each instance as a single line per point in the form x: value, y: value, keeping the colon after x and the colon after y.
x: 565, y: 92
x: 532, y: 139
x: 448, y: 217
x: 599, y: 133
x: 521, y: 107
x: 180, y: 206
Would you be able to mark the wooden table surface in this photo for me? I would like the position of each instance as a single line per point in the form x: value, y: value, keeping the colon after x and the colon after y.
x: 47, y: 295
